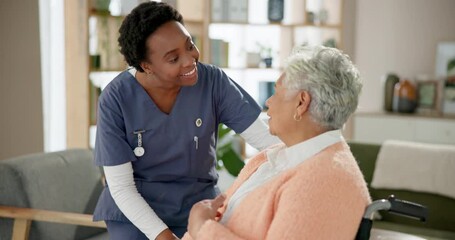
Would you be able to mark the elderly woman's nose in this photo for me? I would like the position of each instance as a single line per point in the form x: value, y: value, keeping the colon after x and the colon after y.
x: 267, y: 102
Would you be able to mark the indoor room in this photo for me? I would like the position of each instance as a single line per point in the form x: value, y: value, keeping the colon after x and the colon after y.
x: 58, y: 57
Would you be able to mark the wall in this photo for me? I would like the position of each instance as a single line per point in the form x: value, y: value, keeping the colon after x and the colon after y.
x: 349, y: 27
x: 398, y: 36
x: 21, y: 121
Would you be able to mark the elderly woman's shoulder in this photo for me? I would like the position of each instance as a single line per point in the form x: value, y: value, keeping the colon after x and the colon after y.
x: 336, y: 159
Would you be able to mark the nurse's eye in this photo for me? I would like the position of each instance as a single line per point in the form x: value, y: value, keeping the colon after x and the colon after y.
x: 174, y: 60
x: 192, y: 46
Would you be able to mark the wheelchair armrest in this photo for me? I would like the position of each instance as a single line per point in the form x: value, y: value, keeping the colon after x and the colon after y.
x: 397, y: 206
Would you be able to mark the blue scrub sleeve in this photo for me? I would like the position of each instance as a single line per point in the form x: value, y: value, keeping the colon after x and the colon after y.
x: 111, y: 145
x: 236, y: 108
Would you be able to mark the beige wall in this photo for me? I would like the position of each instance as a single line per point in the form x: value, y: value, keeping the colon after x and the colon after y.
x: 398, y: 36
x: 21, y: 118
x: 349, y: 27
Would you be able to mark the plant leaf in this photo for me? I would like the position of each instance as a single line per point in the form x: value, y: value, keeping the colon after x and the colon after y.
x: 232, y: 162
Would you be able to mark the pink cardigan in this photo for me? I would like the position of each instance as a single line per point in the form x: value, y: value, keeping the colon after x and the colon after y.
x: 322, y: 198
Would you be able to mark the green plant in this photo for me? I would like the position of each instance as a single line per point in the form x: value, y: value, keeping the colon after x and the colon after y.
x: 451, y: 67
x: 331, y: 42
x: 227, y: 156
x: 264, y: 50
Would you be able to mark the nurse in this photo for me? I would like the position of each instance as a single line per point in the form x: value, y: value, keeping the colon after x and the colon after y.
x: 157, y: 127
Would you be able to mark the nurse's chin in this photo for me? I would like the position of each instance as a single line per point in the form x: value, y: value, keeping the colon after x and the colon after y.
x: 189, y: 80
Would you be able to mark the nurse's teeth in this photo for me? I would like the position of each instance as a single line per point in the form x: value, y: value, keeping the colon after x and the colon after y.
x: 191, y: 72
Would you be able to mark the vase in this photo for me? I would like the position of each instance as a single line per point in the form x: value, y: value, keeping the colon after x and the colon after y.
x: 275, y: 10
x: 404, y: 97
x: 389, y: 85
x: 268, y: 62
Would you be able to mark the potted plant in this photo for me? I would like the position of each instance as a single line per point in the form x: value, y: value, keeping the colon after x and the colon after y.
x: 266, y: 54
x: 227, y: 156
x: 229, y: 159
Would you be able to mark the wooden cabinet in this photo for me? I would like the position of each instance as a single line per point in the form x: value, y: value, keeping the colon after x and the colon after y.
x: 378, y: 127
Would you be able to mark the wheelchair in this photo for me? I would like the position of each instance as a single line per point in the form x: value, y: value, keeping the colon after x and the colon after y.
x: 393, y: 205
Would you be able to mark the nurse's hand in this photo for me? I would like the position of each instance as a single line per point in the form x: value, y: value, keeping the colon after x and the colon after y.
x: 203, y: 211
x: 166, y: 235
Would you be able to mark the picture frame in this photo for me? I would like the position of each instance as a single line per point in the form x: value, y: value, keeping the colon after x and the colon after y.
x: 448, y: 102
x: 445, y: 53
x: 427, y: 92
x: 429, y: 96
x: 445, y: 69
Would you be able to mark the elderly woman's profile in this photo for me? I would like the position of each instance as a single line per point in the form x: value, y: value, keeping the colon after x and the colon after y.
x: 310, y: 186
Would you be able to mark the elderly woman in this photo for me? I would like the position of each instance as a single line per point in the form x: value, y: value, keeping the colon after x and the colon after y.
x: 310, y: 187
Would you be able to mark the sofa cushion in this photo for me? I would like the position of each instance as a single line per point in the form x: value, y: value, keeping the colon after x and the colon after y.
x: 59, y: 181
x: 417, y: 231
x: 441, y: 209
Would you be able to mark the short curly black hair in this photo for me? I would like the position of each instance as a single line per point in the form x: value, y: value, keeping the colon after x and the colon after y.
x: 137, y: 27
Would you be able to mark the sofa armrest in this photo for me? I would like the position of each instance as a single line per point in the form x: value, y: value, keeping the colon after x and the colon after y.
x: 23, y: 217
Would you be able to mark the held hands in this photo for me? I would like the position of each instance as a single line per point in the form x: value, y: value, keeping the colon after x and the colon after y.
x: 166, y: 235
x: 203, y: 211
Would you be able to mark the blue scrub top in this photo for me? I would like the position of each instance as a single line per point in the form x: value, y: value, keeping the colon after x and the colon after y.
x: 178, y: 167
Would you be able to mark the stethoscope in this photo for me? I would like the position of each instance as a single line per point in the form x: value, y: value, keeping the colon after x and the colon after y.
x: 139, y: 151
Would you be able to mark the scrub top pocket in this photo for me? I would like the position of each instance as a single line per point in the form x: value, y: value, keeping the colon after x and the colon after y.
x: 203, y: 155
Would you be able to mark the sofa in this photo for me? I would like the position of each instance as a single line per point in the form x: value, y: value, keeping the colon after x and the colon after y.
x: 440, y: 223
x: 50, y: 196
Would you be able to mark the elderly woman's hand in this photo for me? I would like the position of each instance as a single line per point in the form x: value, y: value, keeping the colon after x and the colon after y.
x: 203, y: 211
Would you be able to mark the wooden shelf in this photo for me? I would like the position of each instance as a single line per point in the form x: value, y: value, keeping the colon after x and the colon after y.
x: 407, y: 115
x: 293, y: 25
x: 377, y: 127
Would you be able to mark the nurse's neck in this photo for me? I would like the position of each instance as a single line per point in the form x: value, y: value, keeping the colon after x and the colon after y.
x: 163, y: 97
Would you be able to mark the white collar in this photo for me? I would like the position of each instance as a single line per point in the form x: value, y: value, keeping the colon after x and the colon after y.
x: 283, y: 158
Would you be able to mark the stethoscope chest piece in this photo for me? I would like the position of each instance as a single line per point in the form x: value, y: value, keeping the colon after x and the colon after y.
x: 139, y: 151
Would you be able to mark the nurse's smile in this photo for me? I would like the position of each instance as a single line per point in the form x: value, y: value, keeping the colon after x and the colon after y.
x: 190, y: 73
x: 190, y: 77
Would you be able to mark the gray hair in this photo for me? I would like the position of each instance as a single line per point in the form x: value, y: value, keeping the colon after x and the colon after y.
x: 331, y: 79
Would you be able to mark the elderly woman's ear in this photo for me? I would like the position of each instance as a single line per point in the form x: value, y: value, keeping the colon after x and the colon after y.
x: 304, y: 99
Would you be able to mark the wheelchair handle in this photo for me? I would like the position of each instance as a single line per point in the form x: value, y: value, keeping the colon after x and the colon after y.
x: 393, y: 205
x: 382, y: 204
x: 408, y: 209
x: 397, y: 206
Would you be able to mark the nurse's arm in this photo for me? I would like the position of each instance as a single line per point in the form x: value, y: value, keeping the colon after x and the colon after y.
x: 258, y: 135
x: 124, y: 192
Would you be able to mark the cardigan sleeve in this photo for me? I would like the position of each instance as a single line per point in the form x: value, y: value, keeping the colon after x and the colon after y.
x: 214, y: 230
x: 321, y: 204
